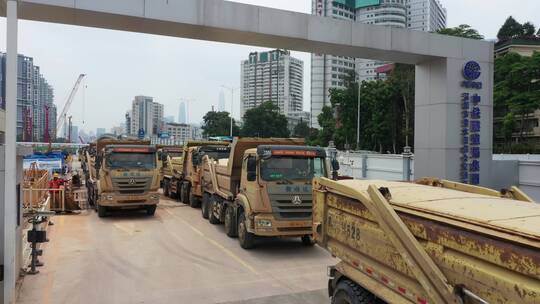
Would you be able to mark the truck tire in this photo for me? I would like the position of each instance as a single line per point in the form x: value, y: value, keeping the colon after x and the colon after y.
x: 348, y: 292
x: 205, y: 205
x: 194, y: 202
x: 102, y: 211
x: 184, y: 194
x: 211, y: 214
x: 150, y: 210
x: 307, y: 240
x: 178, y: 193
x: 230, y: 222
x: 245, y: 238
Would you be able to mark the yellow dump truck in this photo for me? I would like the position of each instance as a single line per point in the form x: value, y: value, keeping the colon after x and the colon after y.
x: 123, y: 174
x: 191, y: 170
x: 263, y: 188
x: 441, y: 242
x: 166, y: 155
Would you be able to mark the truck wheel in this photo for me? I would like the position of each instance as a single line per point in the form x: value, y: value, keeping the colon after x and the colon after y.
x: 348, y: 292
x: 150, y: 210
x: 246, y: 238
x: 184, y: 194
x: 205, y: 205
x: 307, y: 240
x: 178, y: 193
x: 102, y: 211
x: 194, y: 202
x: 230, y: 222
x: 211, y: 213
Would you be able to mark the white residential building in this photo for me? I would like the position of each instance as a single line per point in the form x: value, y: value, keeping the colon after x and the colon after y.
x: 146, y: 115
x: 272, y: 76
x: 329, y: 71
x: 179, y: 132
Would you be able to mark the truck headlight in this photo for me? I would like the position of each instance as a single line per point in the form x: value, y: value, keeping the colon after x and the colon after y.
x: 264, y: 223
x: 154, y: 196
x: 109, y: 197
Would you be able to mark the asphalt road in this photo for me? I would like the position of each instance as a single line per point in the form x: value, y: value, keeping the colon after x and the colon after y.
x: 174, y: 257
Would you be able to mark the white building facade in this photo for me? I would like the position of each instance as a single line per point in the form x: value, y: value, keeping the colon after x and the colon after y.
x: 329, y: 71
x: 272, y: 76
x: 179, y: 132
x: 146, y: 115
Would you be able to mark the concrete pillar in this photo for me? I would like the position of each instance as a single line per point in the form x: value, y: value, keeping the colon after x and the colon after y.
x: 438, y: 126
x: 9, y: 205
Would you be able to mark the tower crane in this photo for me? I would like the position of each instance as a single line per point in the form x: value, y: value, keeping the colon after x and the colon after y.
x: 62, y: 117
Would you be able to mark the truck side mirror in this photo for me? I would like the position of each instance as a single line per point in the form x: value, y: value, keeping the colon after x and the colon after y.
x: 251, y: 169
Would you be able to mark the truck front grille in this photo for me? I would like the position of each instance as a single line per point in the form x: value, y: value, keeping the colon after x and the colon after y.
x: 132, y: 185
x: 285, y: 206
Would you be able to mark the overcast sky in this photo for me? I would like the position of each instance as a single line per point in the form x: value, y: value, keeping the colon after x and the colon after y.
x: 121, y: 65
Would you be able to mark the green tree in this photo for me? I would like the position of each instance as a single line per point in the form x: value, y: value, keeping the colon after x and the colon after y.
x: 301, y: 130
x: 510, y: 29
x: 265, y: 121
x: 463, y: 30
x: 218, y: 124
x: 328, y: 126
x: 528, y: 29
x: 403, y: 76
x: 517, y: 86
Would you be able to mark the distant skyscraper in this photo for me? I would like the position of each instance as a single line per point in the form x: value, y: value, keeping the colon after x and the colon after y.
x: 221, y: 104
x: 74, y: 136
x: 272, y: 76
x: 182, y: 113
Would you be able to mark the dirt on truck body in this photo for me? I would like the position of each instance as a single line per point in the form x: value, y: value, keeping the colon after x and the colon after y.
x: 439, y: 243
x: 182, y: 178
x: 123, y: 174
x: 263, y: 189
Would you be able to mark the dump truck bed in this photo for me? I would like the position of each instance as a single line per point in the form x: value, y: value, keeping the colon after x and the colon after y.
x: 489, y: 245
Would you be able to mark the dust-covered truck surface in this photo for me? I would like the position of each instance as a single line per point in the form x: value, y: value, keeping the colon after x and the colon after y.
x: 441, y: 242
x: 182, y: 173
x: 263, y: 189
x: 123, y: 175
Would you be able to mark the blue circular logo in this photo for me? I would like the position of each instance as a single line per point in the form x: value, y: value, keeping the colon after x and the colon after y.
x: 472, y: 70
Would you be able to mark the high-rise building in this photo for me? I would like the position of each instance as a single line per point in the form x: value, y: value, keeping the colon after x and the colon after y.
x: 425, y: 15
x: 272, y: 76
x: 128, y: 123
x: 146, y: 115
x: 74, y: 136
x: 182, y: 113
x: 221, y: 103
x: 34, y: 96
x: 329, y: 71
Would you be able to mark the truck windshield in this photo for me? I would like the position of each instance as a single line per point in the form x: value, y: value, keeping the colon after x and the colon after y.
x: 131, y: 160
x: 286, y: 168
x: 215, y: 152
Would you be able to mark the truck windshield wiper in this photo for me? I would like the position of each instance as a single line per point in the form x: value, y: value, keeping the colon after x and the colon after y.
x: 284, y: 180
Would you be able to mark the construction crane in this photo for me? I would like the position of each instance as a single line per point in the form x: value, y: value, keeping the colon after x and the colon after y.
x: 62, y: 117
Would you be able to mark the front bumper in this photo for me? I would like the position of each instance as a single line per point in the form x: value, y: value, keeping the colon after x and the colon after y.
x: 123, y: 200
x: 268, y: 225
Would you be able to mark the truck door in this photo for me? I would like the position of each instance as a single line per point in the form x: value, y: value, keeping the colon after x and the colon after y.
x: 248, y: 184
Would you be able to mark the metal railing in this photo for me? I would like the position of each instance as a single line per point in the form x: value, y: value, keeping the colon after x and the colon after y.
x: 54, y: 197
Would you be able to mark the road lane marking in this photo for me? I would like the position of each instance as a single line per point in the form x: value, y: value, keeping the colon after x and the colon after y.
x: 218, y: 245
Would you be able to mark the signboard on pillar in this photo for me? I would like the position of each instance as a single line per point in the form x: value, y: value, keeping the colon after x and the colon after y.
x: 470, y: 124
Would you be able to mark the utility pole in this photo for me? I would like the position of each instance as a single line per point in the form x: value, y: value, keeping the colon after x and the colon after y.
x: 232, y: 89
x: 358, y: 120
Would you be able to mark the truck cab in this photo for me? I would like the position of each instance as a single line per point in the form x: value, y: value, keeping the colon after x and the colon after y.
x: 127, y: 178
x: 264, y: 189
